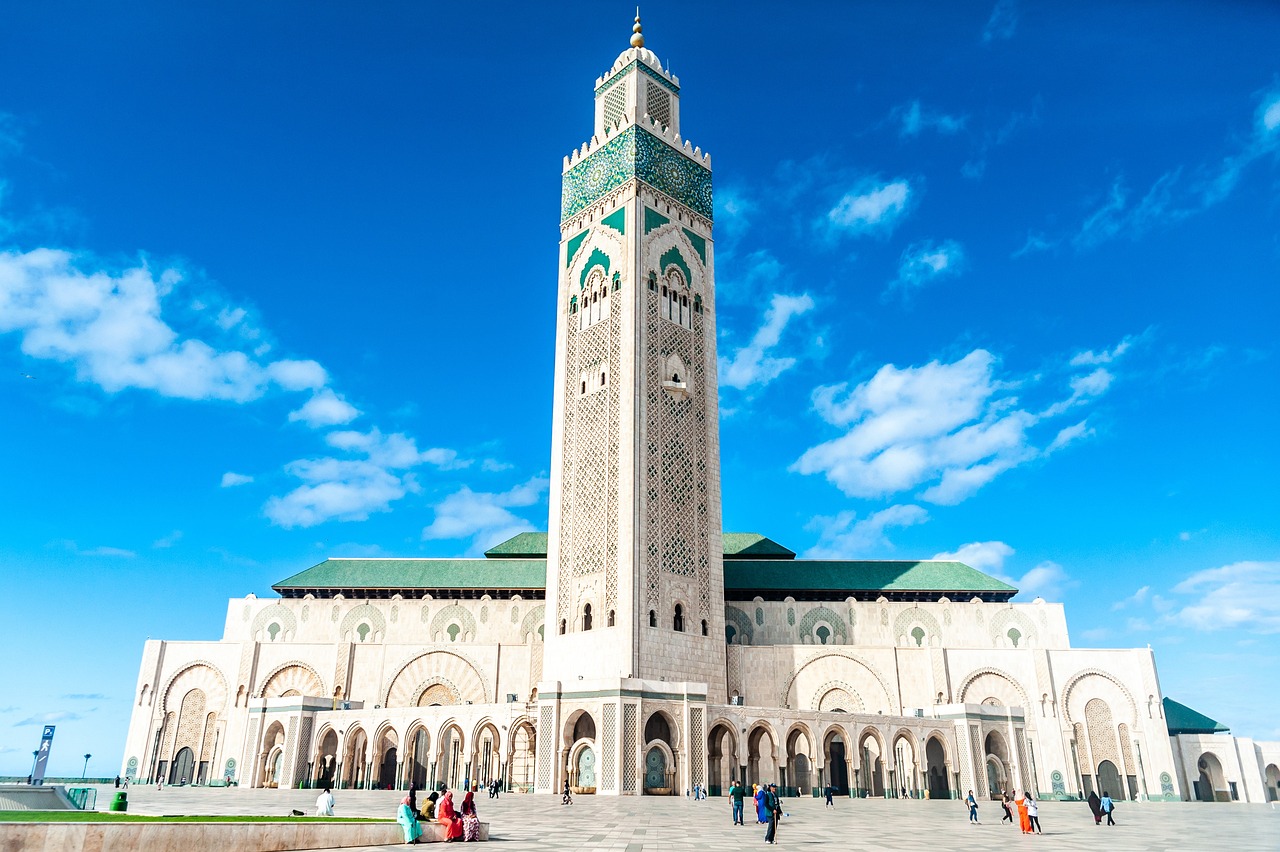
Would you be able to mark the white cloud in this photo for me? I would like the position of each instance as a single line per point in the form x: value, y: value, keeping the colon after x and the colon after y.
x: 1035, y: 243
x: 1047, y: 580
x: 49, y: 718
x: 752, y: 364
x: 986, y: 556
x: 353, y: 488
x: 914, y: 119
x: 103, y: 550
x: 1138, y: 598
x: 484, y: 516
x: 845, y: 537
x: 872, y: 207
x: 231, y: 479
x: 298, y: 375
x: 923, y: 263
x: 951, y: 427
x: 325, y: 408
x: 1243, y: 595
x: 1270, y: 114
x: 167, y: 541
x: 1003, y: 22
x: 495, y: 466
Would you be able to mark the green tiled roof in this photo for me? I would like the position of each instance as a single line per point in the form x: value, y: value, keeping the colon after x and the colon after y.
x: 420, y: 574
x: 526, y: 545
x: 1181, y: 719
x: 533, y: 545
x: 753, y: 546
x: 813, y: 575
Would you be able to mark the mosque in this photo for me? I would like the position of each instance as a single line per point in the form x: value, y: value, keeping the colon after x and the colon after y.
x: 637, y: 649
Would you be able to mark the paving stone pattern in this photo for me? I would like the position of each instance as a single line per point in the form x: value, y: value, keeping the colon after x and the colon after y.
x: 659, y: 824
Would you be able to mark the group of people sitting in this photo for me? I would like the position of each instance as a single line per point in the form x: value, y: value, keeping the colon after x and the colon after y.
x: 459, y: 823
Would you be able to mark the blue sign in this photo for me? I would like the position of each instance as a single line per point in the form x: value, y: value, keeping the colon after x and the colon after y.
x: 42, y: 756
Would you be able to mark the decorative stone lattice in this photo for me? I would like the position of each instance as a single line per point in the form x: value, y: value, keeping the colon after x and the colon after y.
x: 300, y: 754
x: 677, y: 515
x: 290, y: 751
x: 978, y: 779
x: 615, y: 104
x: 210, y: 737
x: 363, y: 614
x: 741, y: 624
x: 697, y: 751
x: 170, y: 728
x: 821, y: 616
x: 658, y: 103
x: 589, y: 477
x: 1024, y: 766
x: 608, y: 747
x: 342, y: 669
x: 1126, y: 749
x: 284, y: 619
x: 1101, y: 729
x: 546, y: 754
x: 250, y: 742
x: 191, y: 720
x: 916, y: 617
x: 630, y: 744
x: 453, y: 614
x: 1006, y: 619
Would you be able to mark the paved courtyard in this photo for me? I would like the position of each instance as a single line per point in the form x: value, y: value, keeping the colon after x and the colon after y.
x: 654, y: 825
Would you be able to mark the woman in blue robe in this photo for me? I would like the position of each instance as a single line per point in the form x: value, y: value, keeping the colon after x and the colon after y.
x: 762, y: 814
x: 409, y: 822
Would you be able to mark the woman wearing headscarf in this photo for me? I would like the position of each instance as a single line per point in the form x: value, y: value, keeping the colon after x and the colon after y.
x: 409, y: 822
x: 470, y: 818
x: 1024, y: 819
x: 429, y: 810
x: 448, y: 817
x: 762, y: 811
x: 1095, y: 805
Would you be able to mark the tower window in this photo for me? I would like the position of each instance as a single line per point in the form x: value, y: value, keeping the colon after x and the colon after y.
x: 653, y: 281
x: 609, y: 622
x: 704, y: 627
x: 584, y: 385
x: 653, y: 618
x: 678, y: 621
x: 586, y: 617
x: 604, y: 379
x: 563, y: 625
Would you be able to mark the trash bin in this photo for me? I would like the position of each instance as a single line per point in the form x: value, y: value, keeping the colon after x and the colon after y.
x: 120, y: 802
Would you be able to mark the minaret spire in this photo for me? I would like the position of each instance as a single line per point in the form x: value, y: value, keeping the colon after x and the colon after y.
x: 637, y: 37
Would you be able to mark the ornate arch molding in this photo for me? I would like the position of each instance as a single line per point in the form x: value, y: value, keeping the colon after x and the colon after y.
x: 822, y: 655
x: 275, y: 612
x: 809, y: 735
x: 609, y: 242
x: 961, y: 693
x: 935, y: 734
x: 533, y: 619
x: 829, y: 687
x: 262, y: 687
x: 220, y: 683
x: 822, y: 615
x: 729, y: 725
x: 361, y: 613
x: 916, y: 615
x: 767, y: 726
x: 451, y: 613
x: 740, y: 622
x: 1010, y: 617
x: 436, y: 680
x: 1084, y: 673
x: 487, y: 694
x: 671, y: 236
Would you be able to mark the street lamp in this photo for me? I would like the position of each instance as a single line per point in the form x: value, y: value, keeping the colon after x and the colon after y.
x: 85, y: 771
x: 35, y: 755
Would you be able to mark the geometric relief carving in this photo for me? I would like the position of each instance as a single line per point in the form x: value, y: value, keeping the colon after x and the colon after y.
x: 199, y: 675
x: 283, y: 619
x: 1011, y: 629
x: 292, y: 679
x: 856, y: 676
x: 461, y: 679
x: 836, y: 696
x: 904, y: 625
x: 364, y: 623
x: 457, y: 617
x: 992, y: 687
x: 818, y: 620
x: 630, y: 755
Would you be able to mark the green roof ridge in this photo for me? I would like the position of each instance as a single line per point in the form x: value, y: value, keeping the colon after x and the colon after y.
x: 1181, y: 719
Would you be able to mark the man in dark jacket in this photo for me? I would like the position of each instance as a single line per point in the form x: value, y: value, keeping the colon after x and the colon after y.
x: 773, y: 806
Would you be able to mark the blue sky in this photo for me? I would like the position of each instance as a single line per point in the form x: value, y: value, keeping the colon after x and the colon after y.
x: 277, y: 283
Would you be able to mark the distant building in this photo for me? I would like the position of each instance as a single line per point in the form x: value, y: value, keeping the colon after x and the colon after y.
x: 635, y: 648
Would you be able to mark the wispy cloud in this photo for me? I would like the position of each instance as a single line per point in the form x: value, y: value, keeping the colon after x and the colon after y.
x: 844, y: 536
x: 484, y: 517
x: 913, y: 119
x: 102, y: 550
x: 167, y: 541
x: 924, y: 263
x: 325, y: 408
x: 1002, y: 23
x: 753, y: 365
x: 84, y: 696
x: 1046, y: 580
x: 49, y: 718
x: 376, y: 471
x: 872, y: 207
x: 949, y: 427
x: 1242, y: 595
x: 231, y: 479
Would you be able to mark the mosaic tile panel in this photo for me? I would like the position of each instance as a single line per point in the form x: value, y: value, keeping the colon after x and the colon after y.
x: 636, y: 153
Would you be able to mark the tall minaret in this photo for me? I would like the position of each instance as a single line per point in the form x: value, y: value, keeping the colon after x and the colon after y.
x: 635, y: 580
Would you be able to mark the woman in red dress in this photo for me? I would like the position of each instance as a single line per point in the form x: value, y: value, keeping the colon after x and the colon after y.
x: 448, y: 817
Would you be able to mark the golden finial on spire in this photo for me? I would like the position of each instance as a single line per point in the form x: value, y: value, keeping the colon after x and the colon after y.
x: 637, y: 37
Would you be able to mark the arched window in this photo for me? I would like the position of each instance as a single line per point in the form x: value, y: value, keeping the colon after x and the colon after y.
x: 363, y: 632
x: 653, y: 618
x: 697, y: 304
x: 917, y: 633
x: 704, y: 627
x: 586, y: 617
x: 584, y: 385
x: 653, y: 281
x: 453, y: 631
x: 729, y: 632
x: 1014, y: 635
x: 562, y: 626
x: 678, y: 621
x: 273, y: 630
x: 573, y: 304
x: 604, y: 378
x: 611, y: 619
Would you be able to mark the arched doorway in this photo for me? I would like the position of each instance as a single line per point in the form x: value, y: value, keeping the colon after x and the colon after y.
x: 388, y: 754
x: 798, y: 782
x: 183, y: 766
x: 871, y: 776
x: 837, y: 762
x: 419, y: 756
x: 761, y: 762
x: 449, y: 766
x: 354, y: 758
x: 484, y: 757
x: 722, y: 759
x: 935, y: 756
x: 997, y: 763
x: 1273, y: 782
x: 585, y: 769
x: 523, y: 749
x: 659, y: 755
x: 904, y: 768
x: 1109, y: 780
x: 580, y: 766
x: 1211, y: 786
x: 272, y: 757
x: 326, y: 762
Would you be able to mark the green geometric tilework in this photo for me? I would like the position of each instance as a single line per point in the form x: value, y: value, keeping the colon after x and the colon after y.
x: 616, y: 220
x: 699, y: 244
x: 635, y: 152
x: 598, y: 258
x: 572, y: 248
x: 653, y: 219
x: 672, y: 255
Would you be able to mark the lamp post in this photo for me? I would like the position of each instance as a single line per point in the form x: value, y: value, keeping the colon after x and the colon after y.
x: 85, y: 771
x: 35, y: 755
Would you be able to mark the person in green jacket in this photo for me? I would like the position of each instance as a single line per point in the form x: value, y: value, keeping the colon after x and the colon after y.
x: 736, y: 794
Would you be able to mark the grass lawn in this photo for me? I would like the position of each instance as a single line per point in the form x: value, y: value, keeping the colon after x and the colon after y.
x: 112, y: 816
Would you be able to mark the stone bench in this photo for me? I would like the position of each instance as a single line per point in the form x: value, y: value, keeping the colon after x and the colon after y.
x: 433, y: 832
x: 183, y: 837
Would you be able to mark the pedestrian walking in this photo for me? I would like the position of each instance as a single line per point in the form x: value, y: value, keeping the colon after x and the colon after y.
x: 774, y: 805
x: 1004, y: 803
x: 1108, y: 807
x: 1095, y: 805
x: 324, y: 803
x: 565, y: 797
x: 735, y: 798
x: 830, y: 792
x: 1033, y: 813
x: 972, y: 804
x: 117, y: 782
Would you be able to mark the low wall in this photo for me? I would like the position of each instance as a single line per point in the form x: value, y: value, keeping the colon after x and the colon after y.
x: 183, y: 837
x: 35, y: 799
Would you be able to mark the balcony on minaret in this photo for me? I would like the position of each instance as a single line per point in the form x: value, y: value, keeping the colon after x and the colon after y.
x: 673, y: 378
x: 635, y: 87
